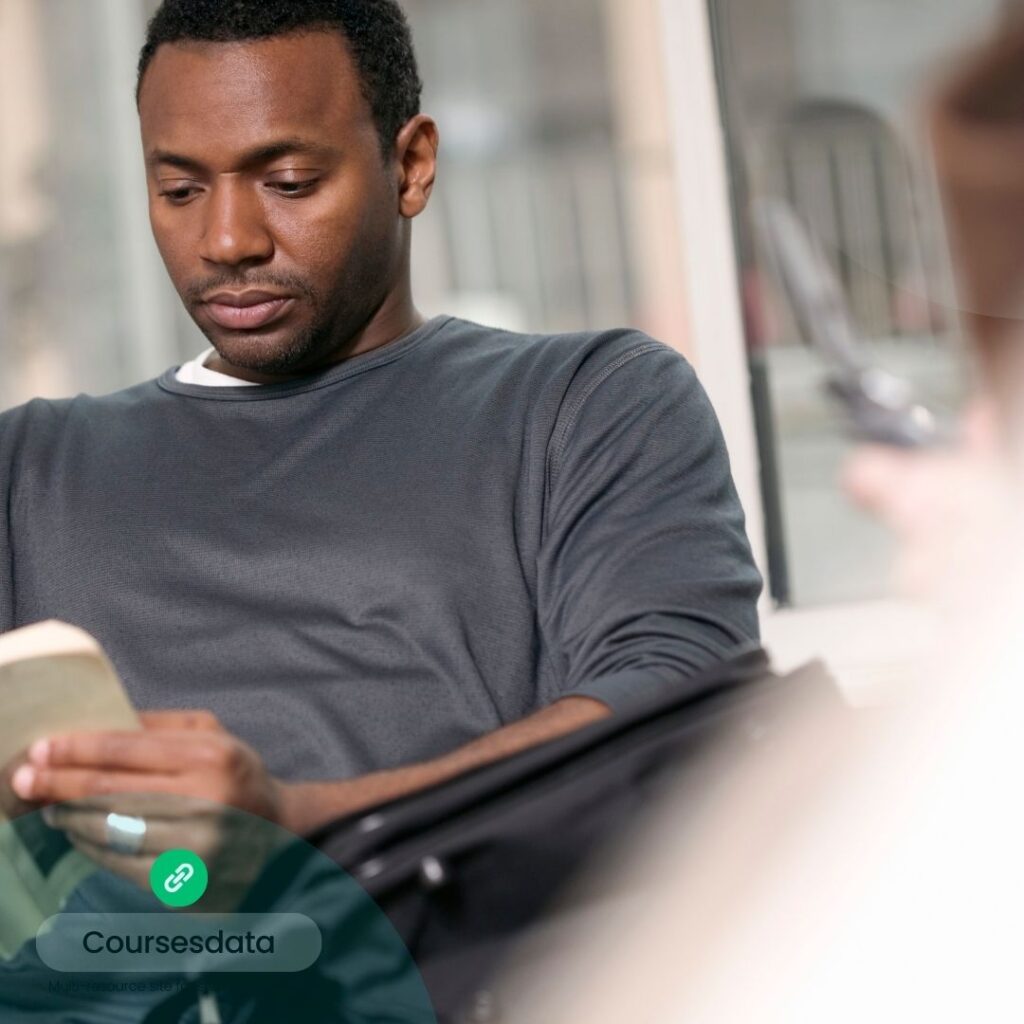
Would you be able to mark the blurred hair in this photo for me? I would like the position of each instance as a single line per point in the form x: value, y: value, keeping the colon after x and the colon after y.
x: 377, y: 33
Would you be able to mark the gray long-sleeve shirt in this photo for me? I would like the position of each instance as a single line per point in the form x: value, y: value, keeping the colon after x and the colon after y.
x: 373, y: 565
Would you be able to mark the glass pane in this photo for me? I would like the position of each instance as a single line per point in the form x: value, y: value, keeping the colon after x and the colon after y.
x: 77, y: 288
x: 554, y: 207
x: 821, y: 101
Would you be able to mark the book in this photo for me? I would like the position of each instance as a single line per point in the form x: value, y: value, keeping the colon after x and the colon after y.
x: 54, y: 678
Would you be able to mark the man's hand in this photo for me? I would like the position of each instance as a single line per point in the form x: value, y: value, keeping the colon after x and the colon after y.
x: 183, y: 774
x: 234, y: 846
x: 183, y: 753
x: 189, y: 755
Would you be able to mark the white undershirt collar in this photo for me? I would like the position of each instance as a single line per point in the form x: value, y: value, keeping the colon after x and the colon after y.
x: 196, y: 372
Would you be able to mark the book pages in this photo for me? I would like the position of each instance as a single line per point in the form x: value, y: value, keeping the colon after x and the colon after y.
x: 54, y: 678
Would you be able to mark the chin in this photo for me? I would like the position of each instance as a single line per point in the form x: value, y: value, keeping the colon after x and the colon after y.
x: 272, y: 354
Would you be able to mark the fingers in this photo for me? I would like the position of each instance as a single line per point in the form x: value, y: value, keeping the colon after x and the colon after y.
x: 128, y: 751
x: 60, y: 785
x: 204, y: 762
x: 871, y: 474
x: 201, y: 834
x: 171, y: 743
x: 159, y: 752
x: 980, y: 427
x: 171, y: 806
x: 910, y: 490
x: 181, y: 720
x: 11, y: 805
x: 946, y: 506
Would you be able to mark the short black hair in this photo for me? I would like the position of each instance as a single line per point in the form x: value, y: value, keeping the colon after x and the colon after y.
x: 377, y: 32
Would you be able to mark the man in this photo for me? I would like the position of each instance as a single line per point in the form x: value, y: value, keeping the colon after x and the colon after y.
x: 389, y: 549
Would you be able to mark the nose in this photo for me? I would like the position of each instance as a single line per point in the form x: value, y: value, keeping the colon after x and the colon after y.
x: 235, y: 231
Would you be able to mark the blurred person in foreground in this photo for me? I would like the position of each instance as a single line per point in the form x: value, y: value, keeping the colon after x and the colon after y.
x: 872, y: 870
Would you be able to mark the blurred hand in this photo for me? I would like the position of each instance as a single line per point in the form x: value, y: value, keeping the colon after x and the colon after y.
x: 948, y: 507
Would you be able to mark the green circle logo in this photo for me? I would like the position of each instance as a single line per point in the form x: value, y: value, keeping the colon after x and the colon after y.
x: 178, y: 878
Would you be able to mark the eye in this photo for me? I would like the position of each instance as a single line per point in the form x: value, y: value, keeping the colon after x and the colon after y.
x: 180, y: 194
x: 292, y: 188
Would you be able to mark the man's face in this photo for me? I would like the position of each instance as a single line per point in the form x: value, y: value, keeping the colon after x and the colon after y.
x: 271, y: 203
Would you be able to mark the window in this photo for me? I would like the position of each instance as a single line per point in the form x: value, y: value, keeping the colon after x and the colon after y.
x: 83, y: 302
x: 555, y: 207
x: 819, y: 100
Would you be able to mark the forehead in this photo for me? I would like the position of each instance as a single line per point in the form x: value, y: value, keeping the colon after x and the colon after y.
x: 228, y: 96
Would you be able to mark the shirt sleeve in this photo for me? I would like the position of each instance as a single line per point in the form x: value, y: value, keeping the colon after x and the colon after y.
x: 645, y: 573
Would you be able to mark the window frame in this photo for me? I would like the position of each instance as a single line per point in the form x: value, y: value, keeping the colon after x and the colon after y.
x: 865, y: 643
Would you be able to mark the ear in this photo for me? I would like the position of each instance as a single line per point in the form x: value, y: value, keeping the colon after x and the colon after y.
x: 416, y: 153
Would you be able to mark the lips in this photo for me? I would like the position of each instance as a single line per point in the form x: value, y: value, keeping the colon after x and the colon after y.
x: 247, y: 311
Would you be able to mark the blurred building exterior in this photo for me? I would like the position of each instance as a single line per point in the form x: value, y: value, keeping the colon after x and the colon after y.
x: 598, y: 160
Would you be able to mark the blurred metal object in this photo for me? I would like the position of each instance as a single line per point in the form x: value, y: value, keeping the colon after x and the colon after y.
x: 842, y: 168
x: 880, y: 406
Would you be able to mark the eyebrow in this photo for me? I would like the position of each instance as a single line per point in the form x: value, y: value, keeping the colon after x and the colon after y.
x: 251, y: 158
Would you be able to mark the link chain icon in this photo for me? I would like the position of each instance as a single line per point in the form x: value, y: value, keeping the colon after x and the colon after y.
x: 174, y: 882
x: 178, y: 878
